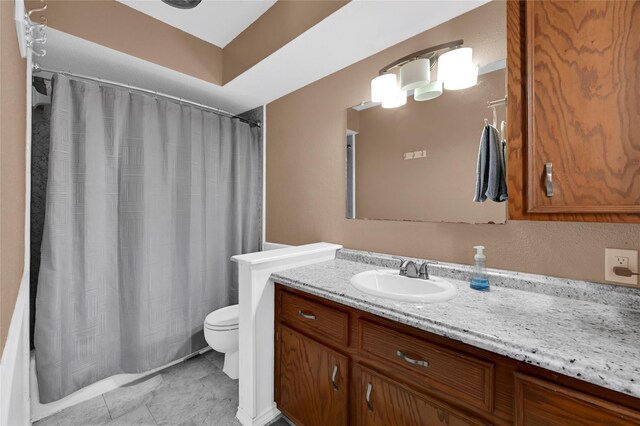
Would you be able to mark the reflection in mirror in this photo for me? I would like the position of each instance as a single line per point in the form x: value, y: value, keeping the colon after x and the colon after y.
x: 418, y: 162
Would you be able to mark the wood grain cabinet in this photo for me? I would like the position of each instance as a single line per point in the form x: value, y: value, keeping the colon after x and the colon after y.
x: 313, y: 381
x: 539, y: 402
x: 573, y: 113
x: 336, y: 365
x: 384, y: 402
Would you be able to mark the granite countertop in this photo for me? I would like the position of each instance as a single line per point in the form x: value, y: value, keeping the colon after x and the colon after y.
x: 590, y: 341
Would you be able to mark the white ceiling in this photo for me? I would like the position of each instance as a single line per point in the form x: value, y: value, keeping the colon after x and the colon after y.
x: 347, y: 36
x: 215, y: 21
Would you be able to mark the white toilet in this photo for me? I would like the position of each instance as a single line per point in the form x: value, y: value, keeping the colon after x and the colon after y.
x: 221, y: 333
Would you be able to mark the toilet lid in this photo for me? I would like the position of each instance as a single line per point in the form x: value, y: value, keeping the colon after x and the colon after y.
x: 224, y: 317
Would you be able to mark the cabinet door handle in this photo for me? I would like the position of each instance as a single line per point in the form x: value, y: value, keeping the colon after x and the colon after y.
x: 334, y: 376
x: 369, y: 390
x: 411, y: 360
x: 303, y: 314
x: 549, y: 178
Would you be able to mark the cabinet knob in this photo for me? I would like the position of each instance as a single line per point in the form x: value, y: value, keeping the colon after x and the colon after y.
x: 334, y: 375
x: 369, y: 390
x: 549, y: 178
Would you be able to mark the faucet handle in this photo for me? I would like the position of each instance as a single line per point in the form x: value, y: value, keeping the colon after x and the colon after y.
x: 403, y: 265
x: 423, y: 272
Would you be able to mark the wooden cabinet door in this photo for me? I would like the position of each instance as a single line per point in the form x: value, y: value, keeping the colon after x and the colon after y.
x: 383, y: 402
x: 542, y: 403
x: 583, y: 101
x: 313, y: 382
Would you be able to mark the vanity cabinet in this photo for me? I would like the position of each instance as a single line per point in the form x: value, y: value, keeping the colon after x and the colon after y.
x: 336, y: 365
x: 384, y: 402
x: 539, y: 402
x: 313, y: 380
x: 573, y: 112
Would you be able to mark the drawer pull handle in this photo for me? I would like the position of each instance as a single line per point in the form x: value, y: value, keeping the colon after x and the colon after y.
x: 303, y: 314
x: 411, y: 360
x: 369, y: 390
x: 334, y: 376
x: 549, y: 178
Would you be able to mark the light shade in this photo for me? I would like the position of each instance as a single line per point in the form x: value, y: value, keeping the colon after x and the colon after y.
x: 464, y: 78
x: 456, y: 69
x: 395, y: 101
x: 415, y: 74
x: 383, y: 87
x: 428, y: 92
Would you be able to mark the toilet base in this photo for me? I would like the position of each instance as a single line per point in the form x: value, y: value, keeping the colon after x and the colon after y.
x: 231, y: 365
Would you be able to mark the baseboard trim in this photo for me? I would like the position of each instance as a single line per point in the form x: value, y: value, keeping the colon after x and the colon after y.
x: 264, y: 418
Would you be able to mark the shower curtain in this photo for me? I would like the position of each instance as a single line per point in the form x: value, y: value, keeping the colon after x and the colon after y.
x: 147, y: 200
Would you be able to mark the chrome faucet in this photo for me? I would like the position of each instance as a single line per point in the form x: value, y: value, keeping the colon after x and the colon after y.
x: 423, y: 272
x: 410, y: 269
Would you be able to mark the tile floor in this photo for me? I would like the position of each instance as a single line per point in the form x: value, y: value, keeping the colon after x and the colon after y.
x: 194, y: 392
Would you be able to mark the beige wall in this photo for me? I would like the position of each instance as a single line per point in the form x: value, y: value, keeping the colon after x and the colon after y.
x: 12, y: 167
x: 283, y: 22
x: 306, y: 181
x: 119, y: 27
x: 440, y: 186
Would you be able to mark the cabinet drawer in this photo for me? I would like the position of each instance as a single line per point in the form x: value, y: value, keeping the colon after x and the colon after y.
x: 539, y: 402
x: 315, y: 318
x: 383, y: 402
x: 463, y: 378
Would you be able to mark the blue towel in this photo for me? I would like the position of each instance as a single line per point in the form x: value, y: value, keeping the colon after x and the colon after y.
x: 491, y: 173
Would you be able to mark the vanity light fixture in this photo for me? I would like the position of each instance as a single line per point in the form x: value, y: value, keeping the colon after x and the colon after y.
x: 383, y: 87
x: 428, y: 92
x: 397, y: 100
x: 455, y: 71
x: 415, y: 74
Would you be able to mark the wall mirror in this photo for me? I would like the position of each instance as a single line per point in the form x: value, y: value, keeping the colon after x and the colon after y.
x: 412, y: 145
x: 418, y: 162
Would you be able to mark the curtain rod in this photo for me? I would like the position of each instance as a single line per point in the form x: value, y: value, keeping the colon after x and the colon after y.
x: 218, y: 111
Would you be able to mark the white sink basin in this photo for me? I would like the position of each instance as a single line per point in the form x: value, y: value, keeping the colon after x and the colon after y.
x: 388, y: 283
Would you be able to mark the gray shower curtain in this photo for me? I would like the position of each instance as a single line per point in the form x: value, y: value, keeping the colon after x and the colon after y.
x: 147, y: 200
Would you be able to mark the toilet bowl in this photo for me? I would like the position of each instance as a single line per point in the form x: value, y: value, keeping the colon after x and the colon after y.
x: 221, y: 333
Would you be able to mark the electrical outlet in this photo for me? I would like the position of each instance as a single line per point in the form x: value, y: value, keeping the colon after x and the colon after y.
x: 624, y: 259
x: 621, y: 261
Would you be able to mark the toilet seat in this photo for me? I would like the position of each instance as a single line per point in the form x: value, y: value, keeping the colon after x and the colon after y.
x: 223, y: 319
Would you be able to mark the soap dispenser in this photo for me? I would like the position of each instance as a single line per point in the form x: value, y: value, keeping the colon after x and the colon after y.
x: 479, y: 279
